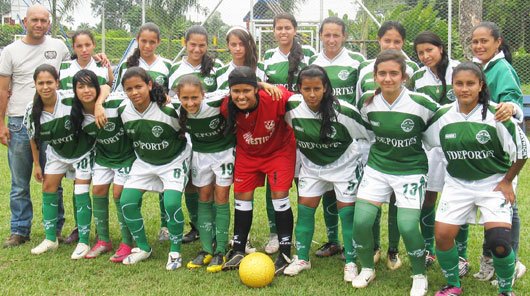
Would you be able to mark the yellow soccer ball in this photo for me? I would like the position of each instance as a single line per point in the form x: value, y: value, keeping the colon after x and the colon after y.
x: 256, y: 270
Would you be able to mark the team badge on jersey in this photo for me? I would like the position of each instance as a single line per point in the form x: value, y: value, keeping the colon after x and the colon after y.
x: 214, y: 123
x: 343, y: 75
x: 109, y: 126
x: 269, y: 125
x: 157, y: 130
x: 407, y: 125
x: 160, y: 80
x: 483, y: 137
x: 333, y: 132
x: 451, y: 95
x: 208, y: 81
x: 67, y: 124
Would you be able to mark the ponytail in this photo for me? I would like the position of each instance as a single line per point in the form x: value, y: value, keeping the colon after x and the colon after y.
x: 296, y: 54
x: 207, y: 62
x: 134, y: 59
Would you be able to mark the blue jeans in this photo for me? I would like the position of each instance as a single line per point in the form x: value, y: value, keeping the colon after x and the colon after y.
x: 20, y: 162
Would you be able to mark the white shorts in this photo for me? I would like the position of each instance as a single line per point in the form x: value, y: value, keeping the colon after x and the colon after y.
x: 207, y: 167
x: 378, y: 187
x: 77, y: 168
x: 104, y: 175
x: 169, y: 176
x: 298, y: 164
x: 436, y: 172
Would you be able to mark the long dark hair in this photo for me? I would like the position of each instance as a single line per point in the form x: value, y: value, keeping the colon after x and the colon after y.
x: 207, y: 62
x: 389, y: 25
x: 329, y: 101
x: 85, y: 77
x: 296, y: 54
x: 496, y: 33
x: 156, y: 94
x: 239, y: 72
x: 385, y: 56
x: 484, y: 94
x: 77, y: 34
x: 134, y: 59
x: 38, y: 105
x: 251, y: 51
x: 441, y: 67
x: 188, y: 79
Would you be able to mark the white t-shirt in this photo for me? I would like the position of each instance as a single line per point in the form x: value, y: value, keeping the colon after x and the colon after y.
x: 19, y: 60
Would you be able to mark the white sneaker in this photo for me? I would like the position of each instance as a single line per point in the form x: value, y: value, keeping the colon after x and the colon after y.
x: 366, y: 276
x: 520, y: 269
x: 80, y: 251
x: 136, y: 256
x: 273, y: 244
x: 486, y: 269
x: 249, y: 249
x: 163, y: 234
x: 174, y: 261
x: 296, y: 266
x: 45, y: 246
x: 419, y: 285
x: 350, y: 271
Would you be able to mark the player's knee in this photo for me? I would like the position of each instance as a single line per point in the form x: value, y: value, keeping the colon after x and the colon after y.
x: 408, y: 226
x: 498, y: 240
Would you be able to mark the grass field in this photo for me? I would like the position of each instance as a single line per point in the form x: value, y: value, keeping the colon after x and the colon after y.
x: 55, y: 273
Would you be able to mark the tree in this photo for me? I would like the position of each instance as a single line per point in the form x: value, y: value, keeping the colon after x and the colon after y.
x: 513, y: 17
x: 60, y: 12
x: 470, y: 15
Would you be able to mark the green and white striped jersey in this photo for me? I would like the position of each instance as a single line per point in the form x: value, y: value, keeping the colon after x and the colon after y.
x: 342, y: 72
x: 113, y: 148
x: 70, y: 68
x: 474, y: 148
x: 206, y: 127
x: 155, y: 133
x: 183, y: 67
x: 221, y: 75
x: 366, y: 80
x: 426, y: 82
x: 159, y: 72
x: 57, y: 130
x: 306, y: 125
x: 398, y: 128
x: 275, y: 64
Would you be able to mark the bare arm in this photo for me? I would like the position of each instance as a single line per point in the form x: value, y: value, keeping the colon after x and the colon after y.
x: 99, y: 111
x: 37, y: 170
x: 505, y: 185
x: 5, y: 83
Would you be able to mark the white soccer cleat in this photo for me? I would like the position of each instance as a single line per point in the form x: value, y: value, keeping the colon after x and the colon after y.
x: 350, y: 271
x: 45, y: 246
x: 366, y: 276
x: 296, y: 266
x: 136, y: 256
x: 80, y: 251
x: 419, y: 285
x: 520, y: 269
x: 249, y: 249
x: 273, y: 245
x: 174, y: 261
x: 486, y: 269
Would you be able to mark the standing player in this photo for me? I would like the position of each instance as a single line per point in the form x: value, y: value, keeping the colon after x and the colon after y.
x: 162, y: 162
x: 484, y: 156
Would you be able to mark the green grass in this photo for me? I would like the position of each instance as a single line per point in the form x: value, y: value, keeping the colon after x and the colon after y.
x: 526, y: 89
x: 55, y: 273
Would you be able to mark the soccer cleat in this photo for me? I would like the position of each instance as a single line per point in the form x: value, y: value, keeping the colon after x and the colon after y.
x: 419, y: 285
x: 328, y: 249
x: 350, y: 271
x: 136, y: 256
x: 123, y: 251
x: 174, y: 261
x: 163, y: 234
x: 249, y: 249
x: 15, y: 240
x: 216, y: 264
x: 486, y: 269
x: 80, y: 251
x: 45, y: 246
x: 99, y: 248
x: 273, y: 245
x: 296, y: 266
x: 449, y: 291
x: 520, y: 269
x: 392, y: 261
x: 463, y: 266
x: 73, y: 237
x: 429, y: 259
x: 202, y: 259
x: 366, y: 276
x: 191, y: 236
x: 281, y: 262
x: 234, y: 258
x: 507, y: 294
x: 377, y: 255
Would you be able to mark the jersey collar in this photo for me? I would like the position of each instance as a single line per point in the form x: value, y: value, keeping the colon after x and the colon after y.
x: 194, y: 68
x: 498, y: 56
x: 145, y: 65
x: 390, y: 106
x: 467, y: 116
x: 336, y: 57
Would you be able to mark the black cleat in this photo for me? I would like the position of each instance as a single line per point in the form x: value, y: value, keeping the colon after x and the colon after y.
x: 233, y: 261
x: 191, y: 236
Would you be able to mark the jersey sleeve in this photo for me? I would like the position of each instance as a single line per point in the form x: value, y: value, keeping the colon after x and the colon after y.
x: 6, y: 63
x: 28, y: 121
x: 431, y: 136
x: 514, y: 141
x: 66, y: 53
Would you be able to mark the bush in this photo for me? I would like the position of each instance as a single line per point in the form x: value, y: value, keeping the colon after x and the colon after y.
x: 8, y: 32
x: 521, y: 64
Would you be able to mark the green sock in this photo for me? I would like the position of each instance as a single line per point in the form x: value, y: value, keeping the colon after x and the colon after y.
x: 409, y: 227
x: 222, y: 224
x: 305, y: 227
x: 175, y: 223
x: 393, y: 229
x: 101, y: 217
x: 427, y: 227
x: 331, y: 216
x: 50, y: 211
x: 163, y: 214
x: 363, y: 239
x: 376, y: 230
x: 270, y: 209
x: 192, y: 203
x: 84, y: 216
x: 346, y: 220
x: 461, y: 241
x: 130, y: 202
x: 205, y: 225
x: 504, y: 268
x: 126, y: 237
x: 449, y: 263
x: 74, y: 207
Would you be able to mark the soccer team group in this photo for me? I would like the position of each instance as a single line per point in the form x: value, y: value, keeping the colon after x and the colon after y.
x: 355, y: 133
